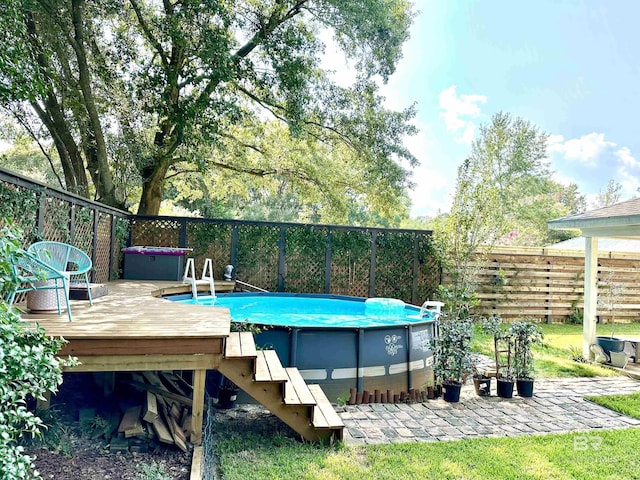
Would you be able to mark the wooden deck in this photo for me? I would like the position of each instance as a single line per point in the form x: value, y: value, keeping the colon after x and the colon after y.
x: 130, y: 320
x: 134, y: 329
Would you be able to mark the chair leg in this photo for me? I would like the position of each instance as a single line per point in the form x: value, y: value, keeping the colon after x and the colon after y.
x: 57, y: 294
x: 86, y: 279
x: 65, y: 286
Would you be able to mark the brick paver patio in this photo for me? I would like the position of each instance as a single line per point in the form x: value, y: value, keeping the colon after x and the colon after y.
x: 557, y: 406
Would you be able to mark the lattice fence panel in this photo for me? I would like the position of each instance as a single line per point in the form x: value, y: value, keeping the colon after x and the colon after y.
x: 21, y: 206
x: 305, y: 259
x: 103, y: 241
x: 350, y: 262
x: 83, y: 229
x: 258, y: 250
x: 210, y: 240
x: 394, y: 265
x: 121, y: 237
x: 160, y: 232
x: 56, y: 220
x: 428, y: 270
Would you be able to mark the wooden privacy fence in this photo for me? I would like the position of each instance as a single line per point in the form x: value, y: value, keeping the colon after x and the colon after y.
x: 290, y: 257
x: 549, y: 284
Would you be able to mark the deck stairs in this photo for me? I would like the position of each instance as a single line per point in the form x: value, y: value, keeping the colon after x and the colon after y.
x: 305, y: 408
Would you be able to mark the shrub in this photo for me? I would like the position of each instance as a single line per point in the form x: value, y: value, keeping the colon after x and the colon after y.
x: 28, y: 368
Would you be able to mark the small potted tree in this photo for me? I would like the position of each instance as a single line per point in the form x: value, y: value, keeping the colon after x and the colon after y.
x: 503, y: 346
x: 525, y: 334
x: 452, y: 353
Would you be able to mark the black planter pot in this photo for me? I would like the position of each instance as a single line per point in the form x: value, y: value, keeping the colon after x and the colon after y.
x: 227, y: 397
x: 505, y: 388
x: 452, y: 392
x: 525, y: 387
x: 610, y: 344
x: 482, y: 386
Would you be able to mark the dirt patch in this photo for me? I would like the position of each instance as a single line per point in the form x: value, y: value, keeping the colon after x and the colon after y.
x: 75, y: 450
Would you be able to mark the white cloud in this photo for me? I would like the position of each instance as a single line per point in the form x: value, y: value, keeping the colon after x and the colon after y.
x: 628, y: 172
x: 626, y: 159
x: 457, y: 111
x: 586, y: 149
x: 4, y: 146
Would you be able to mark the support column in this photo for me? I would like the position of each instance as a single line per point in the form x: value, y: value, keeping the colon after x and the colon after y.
x: 197, y: 409
x: 590, y: 294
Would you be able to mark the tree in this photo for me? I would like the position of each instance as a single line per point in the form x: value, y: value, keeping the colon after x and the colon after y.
x: 162, y: 80
x: 504, y: 194
x: 307, y: 181
x: 610, y: 195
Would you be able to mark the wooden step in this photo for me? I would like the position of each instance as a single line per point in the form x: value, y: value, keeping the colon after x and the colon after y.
x: 324, y: 416
x: 240, y: 345
x: 269, y: 368
x: 296, y: 391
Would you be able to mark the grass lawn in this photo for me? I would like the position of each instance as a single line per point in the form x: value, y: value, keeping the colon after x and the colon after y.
x: 598, y: 456
x: 552, y: 359
x: 626, y: 404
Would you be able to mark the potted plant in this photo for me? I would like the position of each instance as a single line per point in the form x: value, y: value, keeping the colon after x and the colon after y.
x: 525, y: 334
x: 482, y: 383
x: 503, y: 346
x: 452, y: 353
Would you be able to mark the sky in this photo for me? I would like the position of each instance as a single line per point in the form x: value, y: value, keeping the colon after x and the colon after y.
x: 570, y: 67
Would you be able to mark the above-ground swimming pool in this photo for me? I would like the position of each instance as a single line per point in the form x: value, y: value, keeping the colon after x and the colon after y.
x: 339, y: 342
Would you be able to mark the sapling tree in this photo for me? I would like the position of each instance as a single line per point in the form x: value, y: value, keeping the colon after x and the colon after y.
x: 29, y: 368
x: 525, y: 335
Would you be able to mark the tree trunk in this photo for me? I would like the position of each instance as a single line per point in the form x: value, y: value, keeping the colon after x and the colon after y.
x: 153, y: 187
x: 97, y: 157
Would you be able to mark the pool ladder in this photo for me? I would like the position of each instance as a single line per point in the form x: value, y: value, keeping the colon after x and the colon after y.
x: 431, y: 308
x: 206, y: 278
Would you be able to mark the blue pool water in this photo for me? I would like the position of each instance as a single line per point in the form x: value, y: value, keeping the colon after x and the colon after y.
x: 312, y: 311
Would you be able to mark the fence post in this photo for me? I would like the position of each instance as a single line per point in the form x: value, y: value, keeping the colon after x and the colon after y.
x: 281, y: 259
x: 42, y: 206
x: 372, y: 265
x: 72, y: 224
x: 327, y: 263
x: 182, y: 240
x: 416, y: 269
x: 234, y: 248
x: 94, y: 246
x: 112, y: 243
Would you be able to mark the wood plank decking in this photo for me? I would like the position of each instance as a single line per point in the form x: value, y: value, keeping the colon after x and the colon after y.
x: 130, y: 329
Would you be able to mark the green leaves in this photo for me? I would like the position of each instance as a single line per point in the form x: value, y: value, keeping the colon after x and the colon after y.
x: 452, y: 349
x: 28, y: 368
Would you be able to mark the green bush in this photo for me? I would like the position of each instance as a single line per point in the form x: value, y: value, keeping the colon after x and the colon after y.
x: 29, y: 368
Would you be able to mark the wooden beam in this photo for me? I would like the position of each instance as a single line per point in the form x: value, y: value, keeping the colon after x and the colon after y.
x: 140, y: 363
x: 590, y: 294
x: 136, y: 346
x: 197, y: 409
x: 196, y: 464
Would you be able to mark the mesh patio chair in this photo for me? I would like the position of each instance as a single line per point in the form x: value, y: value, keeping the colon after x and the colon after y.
x: 64, y: 258
x: 34, y: 274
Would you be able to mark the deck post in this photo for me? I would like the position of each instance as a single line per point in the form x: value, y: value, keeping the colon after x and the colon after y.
x: 590, y: 294
x: 197, y: 409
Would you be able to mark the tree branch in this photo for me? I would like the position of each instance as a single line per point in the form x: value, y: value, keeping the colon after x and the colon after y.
x: 33, y: 135
x: 148, y: 34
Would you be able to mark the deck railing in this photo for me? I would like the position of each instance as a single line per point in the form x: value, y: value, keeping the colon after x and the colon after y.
x: 284, y: 257
x: 45, y: 213
x: 290, y: 257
